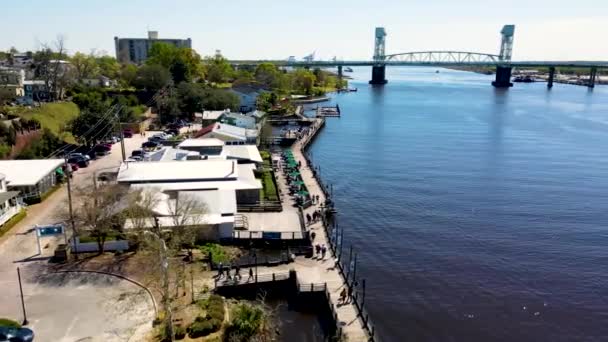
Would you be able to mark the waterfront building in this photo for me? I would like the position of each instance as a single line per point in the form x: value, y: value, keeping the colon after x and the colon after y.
x: 135, y: 50
x: 239, y: 120
x: 229, y: 134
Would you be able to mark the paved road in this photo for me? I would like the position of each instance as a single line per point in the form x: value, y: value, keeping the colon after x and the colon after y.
x: 78, y: 306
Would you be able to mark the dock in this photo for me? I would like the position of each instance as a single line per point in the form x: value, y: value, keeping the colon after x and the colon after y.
x: 332, y: 111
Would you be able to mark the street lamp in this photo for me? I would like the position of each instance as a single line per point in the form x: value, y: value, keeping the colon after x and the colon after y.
x: 165, y: 266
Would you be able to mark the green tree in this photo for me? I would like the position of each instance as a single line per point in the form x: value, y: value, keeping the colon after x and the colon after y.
x: 303, y: 81
x: 85, y: 66
x: 108, y: 66
x: 191, y: 97
x: 217, y: 69
x: 218, y: 99
x: 81, y: 126
x: 152, y: 77
x: 128, y: 74
x: 43, y: 147
x: 266, y: 101
x: 268, y: 75
x: 183, y: 63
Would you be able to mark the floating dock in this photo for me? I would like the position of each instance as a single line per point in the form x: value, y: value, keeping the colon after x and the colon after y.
x: 328, y: 111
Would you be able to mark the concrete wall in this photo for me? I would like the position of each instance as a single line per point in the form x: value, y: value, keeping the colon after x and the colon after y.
x: 91, y: 247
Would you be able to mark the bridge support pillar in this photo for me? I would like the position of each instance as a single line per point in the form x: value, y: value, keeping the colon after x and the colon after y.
x: 592, y: 76
x: 503, y: 77
x: 551, y: 77
x: 378, y: 74
x: 340, y: 76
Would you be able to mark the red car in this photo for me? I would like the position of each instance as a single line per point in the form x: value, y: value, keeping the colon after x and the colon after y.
x: 127, y: 133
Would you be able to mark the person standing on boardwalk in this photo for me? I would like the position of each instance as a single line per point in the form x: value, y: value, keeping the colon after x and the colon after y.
x: 237, y: 272
x: 250, y: 274
x: 350, y: 293
x: 313, y: 235
x: 308, y: 218
x: 323, y: 251
x: 220, y: 271
x: 317, y: 249
x: 342, y: 296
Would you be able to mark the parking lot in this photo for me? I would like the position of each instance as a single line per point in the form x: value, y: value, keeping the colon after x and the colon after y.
x: 70, y: 307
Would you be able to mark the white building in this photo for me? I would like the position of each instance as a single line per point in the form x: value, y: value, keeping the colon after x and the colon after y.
x: 229, y: 134
x: 215, y: 148
x: 211, y: 116
x: 33, y: 178
x: 9, y: 206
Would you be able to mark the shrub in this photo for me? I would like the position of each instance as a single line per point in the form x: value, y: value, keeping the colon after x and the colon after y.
x: 246, y: 321
x: 212, y: 321
x: 179, y: 332
x: 9, y: 323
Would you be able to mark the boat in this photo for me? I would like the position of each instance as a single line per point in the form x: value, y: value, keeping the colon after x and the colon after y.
x: 524, y: 79
x: 348, y: 69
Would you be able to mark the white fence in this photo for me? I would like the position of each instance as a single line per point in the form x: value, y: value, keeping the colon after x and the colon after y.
x: 89, y: 247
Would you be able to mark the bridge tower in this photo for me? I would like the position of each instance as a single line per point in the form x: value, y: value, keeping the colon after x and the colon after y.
x: 503, y: 70
x: 379, y: 67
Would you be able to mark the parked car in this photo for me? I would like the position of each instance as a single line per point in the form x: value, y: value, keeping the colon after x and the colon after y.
x: 87, y: 151
x: 16, y: 334
x: 76, y: 154
x: 150, y: 144
x: 172, y: 131
x: 127, y: 133
x: 138, y: 153
x: 134, y: 159
x: 80, y: 161
x: 102, y: 149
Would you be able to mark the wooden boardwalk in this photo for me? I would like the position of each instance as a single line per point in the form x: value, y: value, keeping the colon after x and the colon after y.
x: 325, y: 271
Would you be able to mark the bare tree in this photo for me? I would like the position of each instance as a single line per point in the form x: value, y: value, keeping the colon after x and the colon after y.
x: 52, y: 69
x: 98, y: 211
x: 165, y: 225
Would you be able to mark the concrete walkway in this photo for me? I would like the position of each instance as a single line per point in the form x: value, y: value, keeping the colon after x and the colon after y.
x: 324, y: 271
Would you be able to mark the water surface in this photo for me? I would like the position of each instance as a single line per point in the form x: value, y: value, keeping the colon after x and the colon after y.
x: 479, y: 214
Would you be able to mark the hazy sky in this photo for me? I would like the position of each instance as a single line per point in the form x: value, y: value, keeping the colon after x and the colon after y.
x: 242, y: 29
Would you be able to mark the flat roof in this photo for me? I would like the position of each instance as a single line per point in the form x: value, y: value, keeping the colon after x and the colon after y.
x: 215, y: 201
x: 28, y: 172
x: 178, y: 171
x: 204, y: 142
x: 214, y: 114
x: 247, y: 152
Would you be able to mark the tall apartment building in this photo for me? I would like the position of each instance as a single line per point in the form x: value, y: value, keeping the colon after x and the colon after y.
x: 135, y: 50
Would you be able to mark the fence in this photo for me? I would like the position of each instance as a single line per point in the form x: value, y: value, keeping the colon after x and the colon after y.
x: 263, y: 235
x: 257, y: 278
x: 265, y: 206
x: 335, y: 244
x: 91, y: 247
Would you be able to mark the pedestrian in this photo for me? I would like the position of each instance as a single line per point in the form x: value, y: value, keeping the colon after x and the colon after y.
x: 228, y: 276
x: 323, y: 251
x: 308, y: 218
x: 220, y: 271
x: 317, y: 249
x: 299, y: 163
x: 343, y: 295
x: 313, y: 235
x: 350, y: 293
x: 250, y: 274
x: 317, y: 196
x: 237, y: 272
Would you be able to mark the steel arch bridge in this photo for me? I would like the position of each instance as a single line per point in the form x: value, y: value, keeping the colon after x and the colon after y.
x: 442, y: 57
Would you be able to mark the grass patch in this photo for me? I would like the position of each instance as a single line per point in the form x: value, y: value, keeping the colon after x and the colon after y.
x: 269, y: 189
x: 11, y: 223
x: 5, y: 322
x: 54, y: 116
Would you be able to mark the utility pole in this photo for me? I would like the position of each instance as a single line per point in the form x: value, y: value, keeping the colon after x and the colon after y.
x: 70, y: 206
x: 25, y: 322
x: 165, y: 267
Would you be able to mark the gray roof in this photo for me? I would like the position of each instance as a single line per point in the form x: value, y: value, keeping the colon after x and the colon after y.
x: 5, y: 196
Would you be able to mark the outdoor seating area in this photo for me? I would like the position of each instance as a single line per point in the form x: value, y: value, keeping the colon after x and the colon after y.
x: 297, y: 188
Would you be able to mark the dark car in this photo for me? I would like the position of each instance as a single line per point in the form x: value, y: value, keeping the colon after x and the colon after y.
x: 172, y: 131
x: 80, y: 161
x: 16, y: 334
x: 150, y: 144
x: 127, y: 133
x: 102, y: 149
x: 137, y: 153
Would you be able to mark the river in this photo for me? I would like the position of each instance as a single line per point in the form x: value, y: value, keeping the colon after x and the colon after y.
x: 479, y: 214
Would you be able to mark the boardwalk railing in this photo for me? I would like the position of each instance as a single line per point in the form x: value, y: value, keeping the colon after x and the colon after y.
x: 246, y: 279
x: 258, y: 234
x: 336, y: 245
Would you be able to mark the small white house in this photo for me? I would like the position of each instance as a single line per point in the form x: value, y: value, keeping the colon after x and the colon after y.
x: 33, y: 178
x: 9, y: 205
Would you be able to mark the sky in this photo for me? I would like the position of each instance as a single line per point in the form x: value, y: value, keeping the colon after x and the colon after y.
x: 264, y: 29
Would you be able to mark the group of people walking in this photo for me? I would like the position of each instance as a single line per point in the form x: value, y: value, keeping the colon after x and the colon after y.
x: 320, y: 250
x: 226, y: 271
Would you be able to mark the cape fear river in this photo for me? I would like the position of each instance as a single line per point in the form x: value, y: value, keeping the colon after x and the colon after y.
x: 479, y: 214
